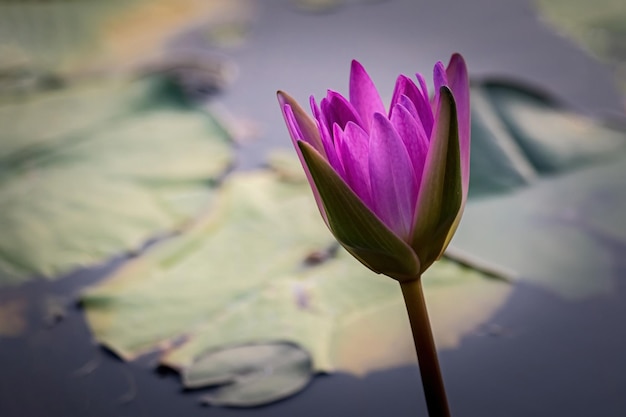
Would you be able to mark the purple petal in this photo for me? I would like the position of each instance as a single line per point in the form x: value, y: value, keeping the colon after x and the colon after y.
x: 440, y: 78
x: 338, y: 142
x: 295, y: 133
x: 326, y: 137
x: 423, y: 86
x: 363, y: 95
x: 410, y: 107
x: 392, y: 177
x: 458, y: 81
x: 406, y: 102
x: 300, y: 125
x: 415, y: 141
x: 429, y: 121
x: 353, y: 149
x: 405, y: 86
x: 336, y: 109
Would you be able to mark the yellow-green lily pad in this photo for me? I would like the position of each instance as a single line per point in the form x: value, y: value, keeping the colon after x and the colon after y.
x: 257, y: 270
x: 93, y: 171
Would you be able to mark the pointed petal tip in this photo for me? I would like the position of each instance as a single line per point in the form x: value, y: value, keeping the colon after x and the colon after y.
x: 284, y: 98
x: 457, y: 68
x: 380, y: 121
x: 380, y: 118
x: 280, y: 95
x: 355, y: 64
x: 363, y: 94
x: 440, y: 77
x: 457, y: 58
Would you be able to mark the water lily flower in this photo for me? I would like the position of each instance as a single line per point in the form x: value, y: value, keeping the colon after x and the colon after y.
x: 390, y: 184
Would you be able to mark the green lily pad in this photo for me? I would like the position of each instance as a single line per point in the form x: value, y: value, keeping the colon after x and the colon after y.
x: 497, y: 162
x: 555, y: 233
x: 554, y: 139
x: 250, y: 375
x: 76, y: 190
x: 257, y: 269
x: 520, y: 134
x: 548, y: 191
x: 70, y: 37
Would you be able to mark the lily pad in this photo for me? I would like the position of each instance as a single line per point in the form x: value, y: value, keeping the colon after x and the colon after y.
x: 548, y: 190
x: 250, y: 375
x: 76, y: 190
x: 555, y: 233
x: 554, y: 139
x: 72, y: 37
x: 520, y: 134
x: 251, y: 272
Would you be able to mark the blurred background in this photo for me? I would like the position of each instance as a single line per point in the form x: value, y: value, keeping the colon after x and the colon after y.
x: 159, y: 249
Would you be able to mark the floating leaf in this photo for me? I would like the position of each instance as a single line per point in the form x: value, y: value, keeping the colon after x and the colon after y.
x: 520, y: 134
x: 250, y: 375
x: 553, y: 138
x: 555, y: 232
x: 245, y: 275
x: 75, y: 190
x: 564, y: 174
x: 74, y: 36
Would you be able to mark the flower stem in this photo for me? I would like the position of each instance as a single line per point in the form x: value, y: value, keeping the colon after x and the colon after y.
x: 432, y: 381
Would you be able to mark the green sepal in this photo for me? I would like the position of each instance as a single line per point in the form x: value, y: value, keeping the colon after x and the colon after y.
x: 441, y: 190
x: 355, y: 226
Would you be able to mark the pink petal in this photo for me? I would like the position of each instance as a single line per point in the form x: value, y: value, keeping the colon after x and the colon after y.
x: 440, y: 78
x: 414, y: 139
x: 392, y: 177
x: 405, y: 86
x: 423, y: 86
x: 353, y: 149
x: 294, y: 128
x: 336, y: 109
x: 406, y: 102
x: 363, y: 95
x: 294, y: 131
x: 338, y: 143
x: 326, y: 137
x: 300, y: 125
x: 408, y: 105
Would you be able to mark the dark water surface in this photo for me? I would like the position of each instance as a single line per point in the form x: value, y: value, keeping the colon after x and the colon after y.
x: 539, y: 355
